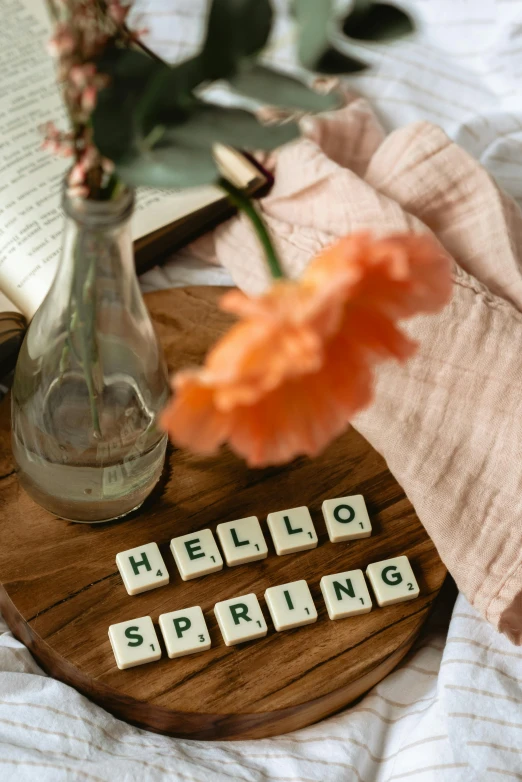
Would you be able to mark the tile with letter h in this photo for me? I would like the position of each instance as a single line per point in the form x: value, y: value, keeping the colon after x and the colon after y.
x: 142, y: 568
x: 347, y: 518
x: 196, y: 554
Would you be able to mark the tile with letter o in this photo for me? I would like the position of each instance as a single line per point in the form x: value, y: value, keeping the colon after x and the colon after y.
x: 134, y: 642
x: 142, y: 568
x: 240, y: 619
x: 184, y: 632
x: 393, y: 581
x: 292, y: 530
x: 196, y: 554
x: 347, y: 518
x: 346, y: 594
x: 291, y: 605
x: 242, y: 541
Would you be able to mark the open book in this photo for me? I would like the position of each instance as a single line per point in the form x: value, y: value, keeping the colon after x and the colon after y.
x: 31, y: 179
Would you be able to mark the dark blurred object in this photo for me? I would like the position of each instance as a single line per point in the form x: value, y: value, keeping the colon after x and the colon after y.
x: 12, y: 330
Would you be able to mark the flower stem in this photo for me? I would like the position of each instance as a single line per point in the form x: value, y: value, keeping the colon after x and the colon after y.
x: 243, y: 202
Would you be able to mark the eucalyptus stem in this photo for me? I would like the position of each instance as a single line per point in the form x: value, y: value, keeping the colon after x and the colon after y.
x: 243, y: 202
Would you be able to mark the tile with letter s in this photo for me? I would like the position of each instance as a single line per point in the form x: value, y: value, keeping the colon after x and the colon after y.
x: 134, y: 642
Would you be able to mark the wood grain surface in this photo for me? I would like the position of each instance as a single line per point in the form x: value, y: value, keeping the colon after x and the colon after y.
x: 60, y: 588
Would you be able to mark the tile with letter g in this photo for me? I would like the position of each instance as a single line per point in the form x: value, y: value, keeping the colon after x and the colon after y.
x: 196, y: 554
x: 291, y: 605
x: 242, y: 541
x: 346, y: 594
x: 184, y: 632
x: 292, y: 530
x: 134, y: 642
x: 393, y: 581
x: 240, y: 619
x: 142, y: 568
x: 347, y: 518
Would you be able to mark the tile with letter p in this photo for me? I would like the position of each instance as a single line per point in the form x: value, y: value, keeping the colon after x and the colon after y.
x: 291, y: 605
x: 347, y: 518
x: 142, y: 568
x: 196, y: 554
x: 184, y: 632
x: 134, y: 642
x: 292, y: 530
x: 242, y: 541
x: 346, y: 594
x: 393, y: 580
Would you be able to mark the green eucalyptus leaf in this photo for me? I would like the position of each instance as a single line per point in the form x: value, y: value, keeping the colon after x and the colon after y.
x: 236, y: 29
x: 377, y: 22
x: 278, y: 89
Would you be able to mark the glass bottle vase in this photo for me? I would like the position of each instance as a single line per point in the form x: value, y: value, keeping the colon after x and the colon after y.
x: 91, y: 377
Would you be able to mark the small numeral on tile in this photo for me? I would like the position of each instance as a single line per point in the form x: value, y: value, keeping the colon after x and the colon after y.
x: 212, y: 558
x: 257, y: 546
x: 361, y: 525
x: 362, y: 600
x: 201, y: 638
x: 410, y: 587
x: 153, y: 647
x: 307, y: 610
x: 259, y: 623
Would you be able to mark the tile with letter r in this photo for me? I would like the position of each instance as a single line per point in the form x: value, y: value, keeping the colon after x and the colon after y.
x: 346, y: 594
x: 242, y: 541
x: 347, y: 518
x: 292, y: 530
x: 393, y: 580
x: 134, y: 642
x: 291, y: 605
x: 196, y: 554
x: 142, y: 568
x: 184, y: 632
x: 240, y: 619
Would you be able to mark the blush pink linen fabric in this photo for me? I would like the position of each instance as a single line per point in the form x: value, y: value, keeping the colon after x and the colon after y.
x: 449, y: 421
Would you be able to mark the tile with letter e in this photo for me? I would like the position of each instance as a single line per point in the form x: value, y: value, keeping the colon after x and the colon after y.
x: 393, y: 581
x: 142, y: 568
x: 196, y: 554
x: 347, y: 518
x: 291, y: 605
x: 185, y: 632
x: 346, y: 594
x: 292, y: 530
x: 242, y: 541
x: 240, y: 619
x: 134, y: 642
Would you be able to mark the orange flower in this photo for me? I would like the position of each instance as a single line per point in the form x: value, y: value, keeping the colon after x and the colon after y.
x: 289, y: 376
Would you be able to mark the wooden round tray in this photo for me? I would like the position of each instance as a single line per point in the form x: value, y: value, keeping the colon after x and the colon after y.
x: 60, y: 588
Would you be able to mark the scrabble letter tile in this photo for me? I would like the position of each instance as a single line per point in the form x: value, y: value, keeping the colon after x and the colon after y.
x: 196, y: 554
x: 240, y: 619
x: 292, y: 530
x: 346, y: 594
x: 347, y: 518
x: 242, y: 541
x: 185, y: 632
x: 142, y: 568
x: 134, y: 642
x: 392, y: 581
x: 291, y: 605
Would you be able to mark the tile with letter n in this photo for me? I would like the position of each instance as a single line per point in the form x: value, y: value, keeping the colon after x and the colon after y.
x: 292, y: 530
x: 134, y: 642
x: 142, y: 568
x: 291, y: 605
x: 242, y: 541
x: 347, y: 518
x: 240, y: 619
x: 184, y: 632
x: 393, y: 581
x: 346, y: 594
x: 196, y: 554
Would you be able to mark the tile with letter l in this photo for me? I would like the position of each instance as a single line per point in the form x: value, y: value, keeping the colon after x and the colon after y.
x: 291, y: 605
x: 184, y: 632
x: 347, y: 518
x: 196, y: 554
x: 240, y: 619
x: 142, y: 568
x: 134, y: 642
x: 393, y: 580
x: 346, y: 594
x: 242, y: 541
x: 292, y: 530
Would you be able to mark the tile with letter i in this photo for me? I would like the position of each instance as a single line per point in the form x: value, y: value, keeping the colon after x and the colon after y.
x: 142, y: 568
x: 347, y: 518
x: 292, y: 530
x: 291, y: 605
x: 393, y: 581
x: 196, y: 554
x: 184, y: 632
x: 346, y: 594
x: 134, y: 642
x: 240, y: 619
x: 242, y: 541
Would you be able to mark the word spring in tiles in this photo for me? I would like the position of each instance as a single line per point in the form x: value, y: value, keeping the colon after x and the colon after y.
x: 241, y: 619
